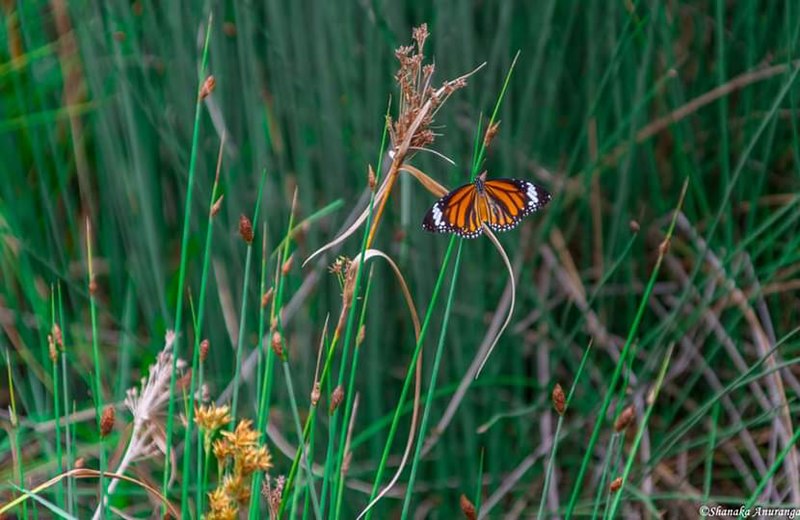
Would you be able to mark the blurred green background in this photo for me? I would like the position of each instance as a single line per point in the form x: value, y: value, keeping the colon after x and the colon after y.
x: 611, y: 107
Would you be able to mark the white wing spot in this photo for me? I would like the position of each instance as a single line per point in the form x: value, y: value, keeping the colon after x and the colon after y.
x: 533, y: 195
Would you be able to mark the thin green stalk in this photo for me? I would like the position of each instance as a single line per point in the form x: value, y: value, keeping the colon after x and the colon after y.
x: 187, y: 221
x: 712, y: 444
x: 651, y: 398
x: 71, y: 498
x: 55, y: 354
x: 601, y: 485
x: 98, y: 391
x: 551, y: 461
x: 243, y: 309
x: 255, y: 491
x: 15, y: 446
x: 196, y: 363
x: 423, y: 427
x: 301, y: 441
x: 350, y: 392
x: 410, y: 373
x: 601, y: 415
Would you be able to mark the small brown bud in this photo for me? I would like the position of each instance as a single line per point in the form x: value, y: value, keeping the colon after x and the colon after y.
x: 273, y: 324
x: 634, y: 226
x: 624, y: 420
x: 107, y: 420
x: 615, y: 485
x: 119, y: 36
x: 287, y: 265
x: 217, y: 206
x: 80, y: 462
x: 229, y: 28
x: 336, y: 398
x: 204, y: 346
x: 92, y: 287
x: 266, y: 298
x: 361, y: 334
x: 208, y: 87
x: 315, y: 394
x: 490, y: 134
x: 663, y: 247
x: 246, y: 229
x: 371, y: 179
x: 137, y: 8
x: 277, y: 344
x: 559, y: 399
x: 467, y: 507
x: 348, y: 458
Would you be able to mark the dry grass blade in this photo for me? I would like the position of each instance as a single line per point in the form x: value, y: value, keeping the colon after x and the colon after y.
x: 507, y: 263
x: 431, y: 185
x: 92, y: 473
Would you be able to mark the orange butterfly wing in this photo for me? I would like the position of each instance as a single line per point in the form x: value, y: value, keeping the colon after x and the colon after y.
x: 455, y: 213
x: 511, y: 200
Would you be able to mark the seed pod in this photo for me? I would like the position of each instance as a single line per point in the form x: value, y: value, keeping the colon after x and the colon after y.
x: 336, y: 398
x: 559, y: 399
x: 208, y: 87
x: 266, y: 298
x: 634, y: 226
x: 468, y: 508
x: 624, y: 420
x: 277, y: 344
x: 107, y: 420
x: 246, y: 229
x: 615, y: 485
x: 371, y: 180
x: 287, y: 265
x: 204, y: 346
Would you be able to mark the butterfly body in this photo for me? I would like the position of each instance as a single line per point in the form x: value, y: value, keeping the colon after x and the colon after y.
x: 501, y: 204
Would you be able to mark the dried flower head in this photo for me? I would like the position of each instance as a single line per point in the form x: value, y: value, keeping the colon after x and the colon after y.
x: 615, y: 485
x: 467, y: 507
x: 277, y: 344
x: 107, y: 420
x: 634, y: 226
x: 221, y: 507
x: 58, y: 336
x: 208, y: 87
x: 51, y: 345
x: 315, y: 394
x: 92, y: 287
x: 266, y: 298
x: 287, y: 265
x: 336, y: 398
x: 204, y: 346
x: 559, y: 399
x: 491, y: 133
x: 272, y: 490
x: 217, y: 206
x: 419, y: 101
x: 80, y: 462
x: 362, y: 332
x: 246, y: 229
x: 624, y: 420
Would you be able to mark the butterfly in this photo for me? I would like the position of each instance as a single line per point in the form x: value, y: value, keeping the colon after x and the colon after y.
x: 500, y: 203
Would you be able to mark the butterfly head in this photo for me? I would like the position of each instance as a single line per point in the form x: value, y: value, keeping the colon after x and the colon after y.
x: 480, y: 180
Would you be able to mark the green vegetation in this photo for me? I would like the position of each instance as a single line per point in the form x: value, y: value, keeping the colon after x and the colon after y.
x: 168, y: 172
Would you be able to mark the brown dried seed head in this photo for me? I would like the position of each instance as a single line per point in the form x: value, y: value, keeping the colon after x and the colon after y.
x: 371, y: 179
x: 490, y: 134
x: 246, y: 229
x: 467, y: 507
x: 229, y: 28
x: 80, y: 462
x: 208, y: 87
x: 336, y: 398
x: 277, y: 344
x: 287, y: 265
x: 559, y: 399
x: 315, y: 394
x: 217, y: 206
x: 119, y: 36
x: 624, y: 420
x: 92, y: 287
x: 204, y: 346
x: 266, y: 298
x: 663, y: 247
x: 615, y: 485
x: 634, y: 226
x: 107, y: 420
